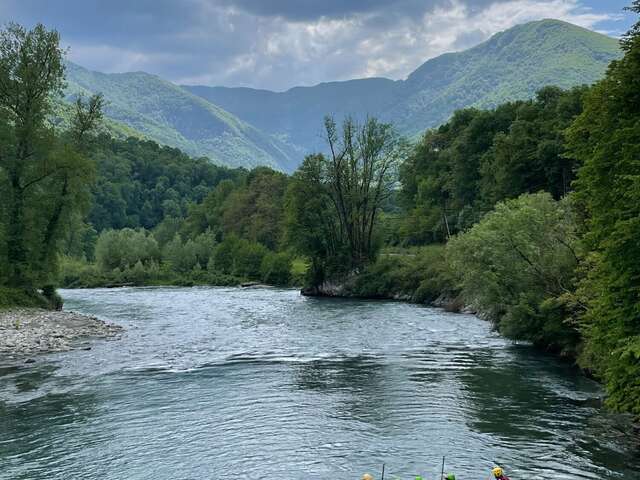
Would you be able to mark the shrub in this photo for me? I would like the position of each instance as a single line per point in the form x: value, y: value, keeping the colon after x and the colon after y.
x: 276, y: 269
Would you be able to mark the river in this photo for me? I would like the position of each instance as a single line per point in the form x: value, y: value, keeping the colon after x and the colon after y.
x: 226, y: 383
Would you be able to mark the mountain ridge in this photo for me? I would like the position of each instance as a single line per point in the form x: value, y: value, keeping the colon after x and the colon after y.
x: 166, y: 113
x: 242, y: 126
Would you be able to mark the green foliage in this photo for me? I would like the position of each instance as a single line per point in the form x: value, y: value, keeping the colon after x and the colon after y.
x: 255, y: 210
x: 299, y: 271
x: 312, y: 223
x: 140, y: 183
x: 44, y: 174
x: 250, y: 208
x: 121, y: 249
x: 335, y: 202
x: 19, y: 297
x: 459, y: 171
x: 275, y: 268
x: 606, y: 140
x: 517, y: 266
x: 418, y: 274
x: 170, y: 115
x: 239, y: 257
x: 247, y: 261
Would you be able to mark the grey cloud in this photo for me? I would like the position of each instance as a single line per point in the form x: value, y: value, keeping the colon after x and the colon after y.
x: 271, y: 44
x: 304, y: 10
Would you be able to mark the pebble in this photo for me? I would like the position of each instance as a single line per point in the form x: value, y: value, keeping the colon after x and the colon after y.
x: 29, y: 331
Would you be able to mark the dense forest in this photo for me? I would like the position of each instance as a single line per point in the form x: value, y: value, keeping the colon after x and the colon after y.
x: 527, y: 212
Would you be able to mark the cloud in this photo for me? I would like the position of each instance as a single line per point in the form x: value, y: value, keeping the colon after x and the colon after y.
x: 278, y: 43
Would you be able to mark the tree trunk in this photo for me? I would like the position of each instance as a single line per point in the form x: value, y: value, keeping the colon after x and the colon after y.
x: 53, y: 224
x: 16, y: 252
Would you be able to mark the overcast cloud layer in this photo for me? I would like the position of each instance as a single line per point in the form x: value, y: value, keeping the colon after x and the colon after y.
x: 277, y: 44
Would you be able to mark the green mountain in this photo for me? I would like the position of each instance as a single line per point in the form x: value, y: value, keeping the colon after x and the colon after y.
x: 64, y: 112
x: 296, y: 116
x: 509, y: 66
x: 170, y: 115
x: 249, y: 127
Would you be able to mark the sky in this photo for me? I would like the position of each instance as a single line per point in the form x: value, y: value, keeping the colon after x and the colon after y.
x: 279, y: 44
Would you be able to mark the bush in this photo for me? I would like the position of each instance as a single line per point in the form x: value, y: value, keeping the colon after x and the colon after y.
x: 17, y: 297
x: 248, y: 259
x: 223, y: 258
x: 299, y: 271
x: 276, y: 269
x: 517, y: 265
x: 124, y: 248
x: 418, y: 274
x: 180, y: 256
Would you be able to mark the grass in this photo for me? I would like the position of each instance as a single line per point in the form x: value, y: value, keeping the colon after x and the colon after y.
x: 18, y: 297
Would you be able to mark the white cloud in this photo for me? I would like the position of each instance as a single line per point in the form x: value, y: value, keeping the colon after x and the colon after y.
x: 292, y: 52
x: 281, y: 43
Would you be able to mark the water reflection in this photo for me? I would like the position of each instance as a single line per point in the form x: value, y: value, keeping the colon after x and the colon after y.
x: 40, y: 429
x: 357, y: 382
x: 546, y: 410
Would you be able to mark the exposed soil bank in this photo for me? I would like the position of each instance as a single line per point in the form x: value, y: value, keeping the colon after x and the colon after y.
x: 28, y: 331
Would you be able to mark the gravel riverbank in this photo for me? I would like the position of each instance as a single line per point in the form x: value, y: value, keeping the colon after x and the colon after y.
x: 30, y: 331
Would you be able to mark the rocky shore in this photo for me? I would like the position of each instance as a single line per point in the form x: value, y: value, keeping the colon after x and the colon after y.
x: 347, y: 288
x: 30, y: 331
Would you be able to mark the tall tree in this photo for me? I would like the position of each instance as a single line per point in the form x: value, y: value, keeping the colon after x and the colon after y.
x: 43, y: 176
x: 361, y: 172
x: 334, y: 201
x: 312, y: 226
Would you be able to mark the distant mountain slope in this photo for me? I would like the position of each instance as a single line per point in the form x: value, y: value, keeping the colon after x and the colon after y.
x: 510, y: 65
x: 296, y: 116
x: 170, y: 115
x: 62, y: 117
x: 248, y: 127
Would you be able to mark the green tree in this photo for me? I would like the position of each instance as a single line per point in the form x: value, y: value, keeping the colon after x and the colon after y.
x: 181, y: 256
x: 517, y: 265
x: 254, y: 211
x: 44, y: 176
x: 606, y: 140
x: 121, y: 249
x: 360, y: 173
x: 312, y: 223
x: 276, y: 268
x: 457, y: 172
x: 335, y: 201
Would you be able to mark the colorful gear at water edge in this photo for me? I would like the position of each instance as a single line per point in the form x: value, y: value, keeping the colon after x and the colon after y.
x: 367, y: 476
x: 498, y: 473
x: 450, y: 476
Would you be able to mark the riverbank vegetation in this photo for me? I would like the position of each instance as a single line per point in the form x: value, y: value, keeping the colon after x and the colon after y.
x: 528, y: 212
x: 44, y: 173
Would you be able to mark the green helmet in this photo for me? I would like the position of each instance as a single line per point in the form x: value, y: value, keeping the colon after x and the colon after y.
x: 451, y: 476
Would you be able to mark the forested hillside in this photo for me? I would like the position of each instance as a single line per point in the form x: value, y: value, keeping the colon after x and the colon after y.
x: 248, y: 127
x: 512, y: 65
x: 163, y: 112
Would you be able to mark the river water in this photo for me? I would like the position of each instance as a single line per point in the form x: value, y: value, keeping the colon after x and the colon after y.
x: 225, y: 383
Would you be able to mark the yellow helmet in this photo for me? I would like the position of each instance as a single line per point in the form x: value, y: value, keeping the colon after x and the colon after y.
x: 367, y: 476
x: 497, y: 472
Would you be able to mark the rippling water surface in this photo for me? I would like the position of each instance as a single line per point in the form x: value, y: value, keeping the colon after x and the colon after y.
x: 221, y: 383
